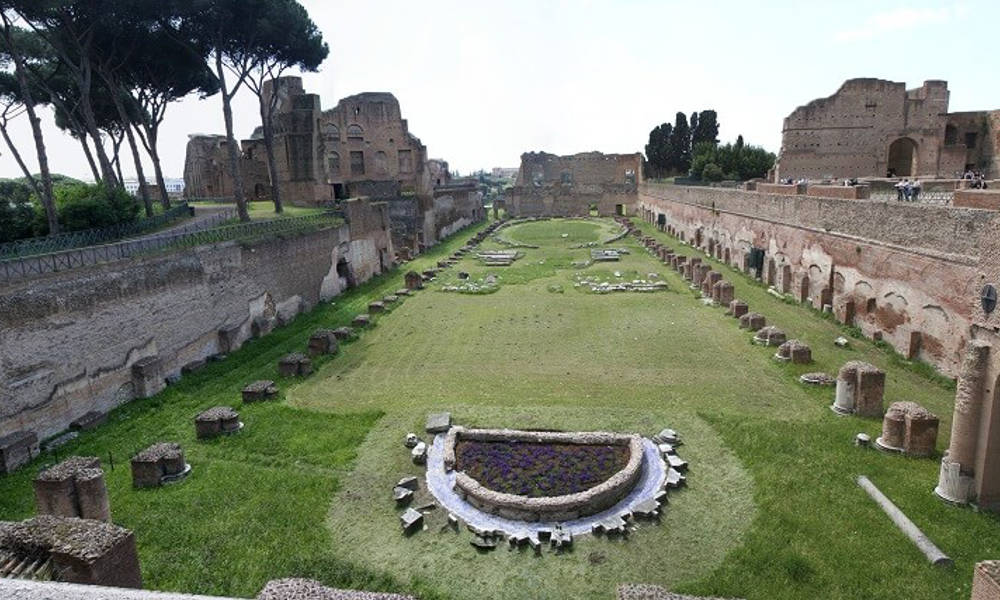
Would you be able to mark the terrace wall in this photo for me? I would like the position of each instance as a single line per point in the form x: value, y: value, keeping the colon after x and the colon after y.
x: 908, y: 272
x: 69, y: 340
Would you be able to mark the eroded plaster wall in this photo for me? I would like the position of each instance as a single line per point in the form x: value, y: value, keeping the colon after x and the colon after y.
x: 909, y: 273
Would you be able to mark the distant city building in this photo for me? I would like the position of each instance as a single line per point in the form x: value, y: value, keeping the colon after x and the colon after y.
x: 175, y: 186
x: 505, y: 172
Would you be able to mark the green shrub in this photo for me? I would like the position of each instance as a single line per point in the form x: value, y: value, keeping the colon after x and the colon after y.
x: 90, y: 206
x: 712, y: 172
x: 17, y: 212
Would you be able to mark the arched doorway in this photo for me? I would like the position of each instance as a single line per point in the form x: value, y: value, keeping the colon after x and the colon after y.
x: 903, y: 157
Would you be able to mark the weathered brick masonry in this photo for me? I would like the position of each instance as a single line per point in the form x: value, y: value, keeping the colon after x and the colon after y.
x: 70, y: 341
x: 911, y: 272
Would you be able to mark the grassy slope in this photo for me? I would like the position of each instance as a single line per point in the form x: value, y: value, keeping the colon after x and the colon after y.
x: 253, y: 507
x: 771, y: 510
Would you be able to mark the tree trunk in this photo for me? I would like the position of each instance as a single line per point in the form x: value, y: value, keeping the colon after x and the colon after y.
x: 90, y: 158
x: 154, y: 154
x: 46, y: 196
x: 143, y: 190
x: 266, y: 121
x: 116, y: 158
x: 20, y: 162
x: 90, y: 123
x: 234, y: 157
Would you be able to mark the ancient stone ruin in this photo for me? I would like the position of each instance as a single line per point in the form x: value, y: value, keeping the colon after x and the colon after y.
x: 860, y: 387
x: 909, y: 428
x: 70, y: 550
x: 217, y: 421
x: 161, y: 463
x: 770, y: 336
x: 73, y: 488
x: 17, y: 449
x: 264, y: 389
x: 323, y: 341
x: 794, y: 351
x: 753, y: 321
x: 295, y: 364
x: 307, y: 589
x: 414, y: 281
x: 738, y: 308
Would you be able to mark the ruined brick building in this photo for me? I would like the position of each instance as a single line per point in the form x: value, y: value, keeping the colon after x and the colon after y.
x: 878, y: 128
x: 574, y: 185
x: 360, y: 148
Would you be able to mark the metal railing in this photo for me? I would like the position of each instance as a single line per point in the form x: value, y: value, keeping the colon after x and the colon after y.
x: 90, y: 237
x: 29, y: 266
x: 939, y: 197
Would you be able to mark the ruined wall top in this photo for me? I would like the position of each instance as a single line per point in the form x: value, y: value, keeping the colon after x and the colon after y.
x: 584, y: 168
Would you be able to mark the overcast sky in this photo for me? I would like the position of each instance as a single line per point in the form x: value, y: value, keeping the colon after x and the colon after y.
x: 482, y: 82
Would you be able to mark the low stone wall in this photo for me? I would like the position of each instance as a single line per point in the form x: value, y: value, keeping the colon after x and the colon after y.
x: 988, y: 199
x: 95, y: 337
x: 781, y: 189
x: 847, y: 192
x: 553, y: 508
x: 907, y: 272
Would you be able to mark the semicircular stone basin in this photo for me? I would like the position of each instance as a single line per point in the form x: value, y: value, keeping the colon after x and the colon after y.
x: 542, y: 476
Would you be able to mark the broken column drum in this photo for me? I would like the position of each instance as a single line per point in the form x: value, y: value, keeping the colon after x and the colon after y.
x: 957, y: 477
x: 73, y: 488
x: 860, y: 389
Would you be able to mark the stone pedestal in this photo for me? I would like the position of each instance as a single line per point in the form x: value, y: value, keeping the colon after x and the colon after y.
x: 16, y: 449
x: 263, y: 389
x: 82, y: 550
x: 307, y: 589
x: 158, y: 464
x: 216, y: 421
x: 986, y: 580
x: 361, y: 321
x: 294, y: 364
x: 414, y: 281
x: 738, y: 308
x: 953, y: 485
x: 770, y: 336
x: 323, y: 341
x: 722, y: 293
x: 73, y: 488
x: 860, y: 389
x: 376, y: 307
x: 753, y: 321
x: 795, y: 352
x: 147, y: 377
x: 958, y: 467
x: 894, y: 427
x: 920, y: 438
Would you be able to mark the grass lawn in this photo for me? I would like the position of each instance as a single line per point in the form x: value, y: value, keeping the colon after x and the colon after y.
x: 771, y: 509
x: 264, y: 209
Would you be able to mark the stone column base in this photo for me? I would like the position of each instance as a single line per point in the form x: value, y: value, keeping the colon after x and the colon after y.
x: 952, y: 485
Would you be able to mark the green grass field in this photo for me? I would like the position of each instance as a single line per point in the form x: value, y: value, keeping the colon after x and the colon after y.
x: 771, y: 509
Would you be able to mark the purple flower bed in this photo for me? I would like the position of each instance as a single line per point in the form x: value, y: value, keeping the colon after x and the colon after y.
x: 538, y: 470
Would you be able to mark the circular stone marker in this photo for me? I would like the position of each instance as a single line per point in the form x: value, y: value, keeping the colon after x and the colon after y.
x: 441, y: 484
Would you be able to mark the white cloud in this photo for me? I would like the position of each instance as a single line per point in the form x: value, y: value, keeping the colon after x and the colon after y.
x: 898, y: 20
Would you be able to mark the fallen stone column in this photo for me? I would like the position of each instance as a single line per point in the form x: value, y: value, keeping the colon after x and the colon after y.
x: 932, y: 552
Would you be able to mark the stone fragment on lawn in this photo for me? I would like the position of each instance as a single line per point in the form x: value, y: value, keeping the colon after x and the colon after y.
x: 216, y: 421
x: 362, y: 320
x: 390, y: 299
x: 411, y: 520
x: 376, y: 307
x: 770, y: 336
x: 841, y: 342
x: 294, y: 364
x: 676, y: 462
x: 438, y: 422
x: 401, y: 494
x: 263, y: 389
x: 343, y: 333
x: 484, y: 543
x: 561, y: 539
x: 675, y: 478
x: 818, y: 379
x: 419, y: 453
x: 463, y: 275
x: 403, y: 292
x: 667, y: 436
x: 323, y: 341
x: 794, y: 351
x: 410, y: 483
x: 411, y: 440
x: 665, y: 449
x: 753, y: 321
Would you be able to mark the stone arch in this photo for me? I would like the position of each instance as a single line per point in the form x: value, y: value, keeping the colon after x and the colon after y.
x: 354, y: 132
x: 903, y: 157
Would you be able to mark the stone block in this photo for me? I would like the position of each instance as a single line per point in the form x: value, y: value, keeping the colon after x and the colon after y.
x: 230, y: 339
x: 294, y: 364
x: 770, y: 336
x: 753, y: 321
x: 986, y: 580
x: 794, y: 351
x: 343, y: 333
x: 411, y: 520
x: 17, y: 449
x: 323, y: 341
x: 738, y: 308
x: 257, y: 391
x: 894, y: 427
x: 414, y: 281
x: 216, y: 421
x: 920, y: 438
x: 390, y: 299
x: 361, y: 321
x: 82, y: 551
x: 89, y: 420
x: 147, y: 377
x: 73, y: 488
x: 262, y: 326
x: 438, y: 422
x: 403, y: 292
x: 722, y: 293
x: 157, y: 464
x: 376, y: 307
x: 860, y: 389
